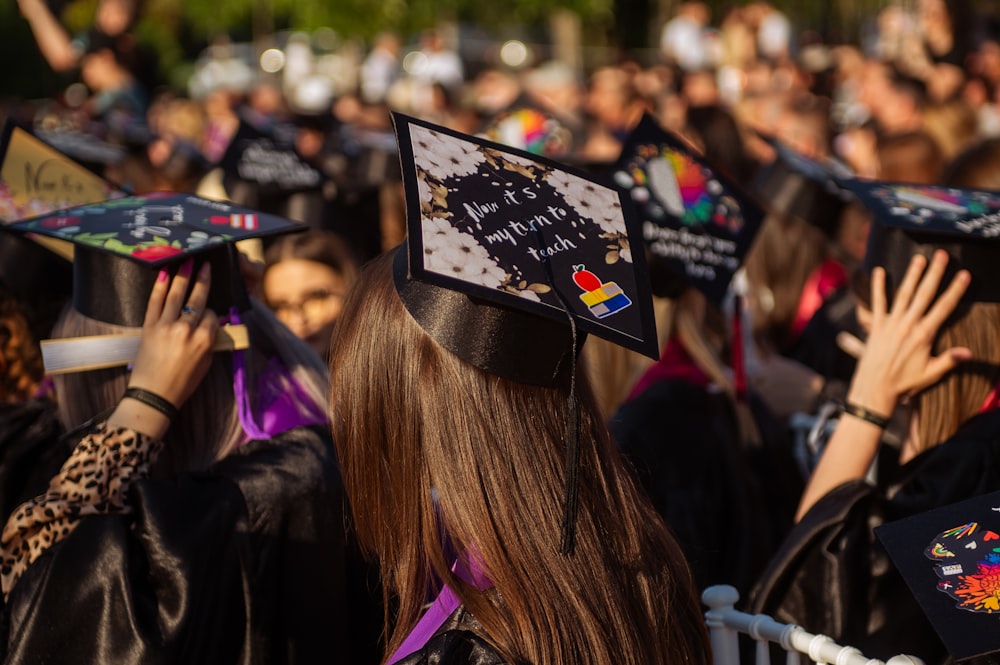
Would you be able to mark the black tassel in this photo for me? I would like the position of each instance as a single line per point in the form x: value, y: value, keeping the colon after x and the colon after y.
x: 572, y: 491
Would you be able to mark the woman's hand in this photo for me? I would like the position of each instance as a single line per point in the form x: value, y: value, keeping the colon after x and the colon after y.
x: 898, y: 357
x: 176, y: 348
x: 898, y: 360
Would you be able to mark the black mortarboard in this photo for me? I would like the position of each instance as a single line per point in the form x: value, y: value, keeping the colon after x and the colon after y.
x: 121, y: 245
x: 802, y: 187
x: 909, y: 219
x: 950, y: 559
x: 505, y: 247
x: 697, y: 223
x: 86, y: 148
x: 270, y: 167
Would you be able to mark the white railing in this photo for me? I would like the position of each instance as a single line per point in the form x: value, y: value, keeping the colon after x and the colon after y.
x: 725, y: 624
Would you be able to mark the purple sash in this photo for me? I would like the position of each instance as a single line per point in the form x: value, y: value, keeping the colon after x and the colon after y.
x: 283, y: 409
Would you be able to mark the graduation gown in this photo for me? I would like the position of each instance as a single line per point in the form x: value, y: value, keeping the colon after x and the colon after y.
x: 248, y: 562
x: 728, y: 505
x: 31, y: 451
x: 455, y: 643
x: 832, y: 575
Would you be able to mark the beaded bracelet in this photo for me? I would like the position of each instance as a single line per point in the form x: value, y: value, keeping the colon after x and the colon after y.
x: 861, y: 412
x: 154, y: 401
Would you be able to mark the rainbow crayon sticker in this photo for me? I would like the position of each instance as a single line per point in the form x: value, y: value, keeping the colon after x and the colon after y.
x: 602, y: 298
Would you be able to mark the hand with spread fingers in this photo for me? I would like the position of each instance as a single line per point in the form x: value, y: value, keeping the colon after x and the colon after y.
x: 174, y: 354
x: 897, y: 361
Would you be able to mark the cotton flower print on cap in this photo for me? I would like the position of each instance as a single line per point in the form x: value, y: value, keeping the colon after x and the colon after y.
x: 599, y: 204
x: 448, y: 251
x: 442, y: 158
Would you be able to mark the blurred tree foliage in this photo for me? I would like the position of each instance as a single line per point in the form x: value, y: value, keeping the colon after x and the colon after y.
x: 179, y: 29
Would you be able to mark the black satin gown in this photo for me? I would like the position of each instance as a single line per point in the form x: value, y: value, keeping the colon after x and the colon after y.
x: 249, y: 562
x: 456, y: 642
x: 728, y: 502
x: 832, y: 575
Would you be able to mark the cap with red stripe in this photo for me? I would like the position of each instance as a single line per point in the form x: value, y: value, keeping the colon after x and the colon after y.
x: 121, y: 244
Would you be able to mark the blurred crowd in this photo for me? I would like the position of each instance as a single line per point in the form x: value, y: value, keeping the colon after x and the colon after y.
x: 912, y: 94
x: 916, y: 100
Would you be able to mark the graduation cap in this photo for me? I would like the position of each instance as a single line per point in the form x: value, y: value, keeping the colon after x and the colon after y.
x: 85, y: 147
x: 536, y: 240
x: 697, y: 224
x: 802, y: 187
x: 509, y: 254
x: 950, y: 559
x: 268, y: 165
x: 525, y: 126
x: 122, y: 244
x: 36, y: 178
x: 910, y: 219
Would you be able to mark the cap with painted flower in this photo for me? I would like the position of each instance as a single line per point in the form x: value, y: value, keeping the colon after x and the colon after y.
x: 697, y: 224
x: 509, y: 253
x: 121, y: 244
x: 950, y: 559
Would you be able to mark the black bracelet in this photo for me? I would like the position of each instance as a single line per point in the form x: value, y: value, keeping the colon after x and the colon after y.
x: 154, y: 401
x: 857, y: 411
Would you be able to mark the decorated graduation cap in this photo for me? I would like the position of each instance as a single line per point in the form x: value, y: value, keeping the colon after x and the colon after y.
x: 803, y: 187
x: 520, y: 250
x: 697, y: 224
x: 271, y: 167
x: 950, y: 559
x: 910, y: 219
x: 508, y: 255
x: 36, y: 178
x: 121, y: 244
x: 526, y: 126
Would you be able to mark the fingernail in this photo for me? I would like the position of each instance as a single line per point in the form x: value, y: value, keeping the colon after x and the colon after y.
x: 186, y: 269
x: 162, y: 277
x: 205, y: 271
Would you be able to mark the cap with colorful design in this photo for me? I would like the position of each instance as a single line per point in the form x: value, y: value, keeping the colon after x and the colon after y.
x: 509, y: 252
x: 697, y: 224
x: 525, y: 126
x: 121, y: 244
x: 909, y: 219
x: 950, y: 559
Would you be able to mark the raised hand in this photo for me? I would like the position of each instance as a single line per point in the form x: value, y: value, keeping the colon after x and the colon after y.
x: 176, y: 348
x: 898, y: 358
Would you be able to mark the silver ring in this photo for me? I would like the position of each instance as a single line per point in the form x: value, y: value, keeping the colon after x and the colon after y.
x: 187, y: 310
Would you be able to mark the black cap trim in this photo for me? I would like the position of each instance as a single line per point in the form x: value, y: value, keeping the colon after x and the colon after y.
x: 512, y: 344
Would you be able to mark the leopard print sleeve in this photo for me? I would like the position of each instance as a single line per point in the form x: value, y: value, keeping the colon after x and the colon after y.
x: 93, y: 481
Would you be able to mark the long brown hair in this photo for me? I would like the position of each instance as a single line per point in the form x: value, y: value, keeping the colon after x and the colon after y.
x: 786, y: 251
x: 20, y: 358
x: 412, y: 421
x: 943, y: 407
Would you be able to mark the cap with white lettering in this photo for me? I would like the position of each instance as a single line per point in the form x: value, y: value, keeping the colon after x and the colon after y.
x: 697, y: 223
x: 509, y: 253
x: 909, y: 219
